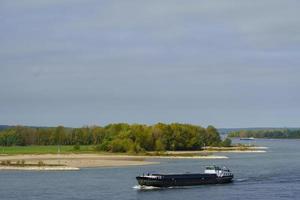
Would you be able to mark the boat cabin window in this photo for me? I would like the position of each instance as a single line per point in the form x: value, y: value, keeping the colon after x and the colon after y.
x: 213, y: 168
x: 210, y: 168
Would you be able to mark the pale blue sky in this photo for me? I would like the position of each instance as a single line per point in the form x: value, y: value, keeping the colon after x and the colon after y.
x: 226, y: 63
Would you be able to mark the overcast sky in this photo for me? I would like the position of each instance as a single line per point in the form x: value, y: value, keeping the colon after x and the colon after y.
x: 74, y: 63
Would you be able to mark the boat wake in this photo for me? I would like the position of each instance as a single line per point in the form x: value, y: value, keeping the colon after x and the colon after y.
x: 138, y: 187
x: 149, y: 188
x: 241, y: 180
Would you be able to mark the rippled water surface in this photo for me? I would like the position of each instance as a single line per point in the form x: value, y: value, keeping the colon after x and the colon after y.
x: 271, y: 175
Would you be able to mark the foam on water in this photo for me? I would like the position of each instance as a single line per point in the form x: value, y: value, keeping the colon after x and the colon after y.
x: 138, y: 187
x: 241, y: 180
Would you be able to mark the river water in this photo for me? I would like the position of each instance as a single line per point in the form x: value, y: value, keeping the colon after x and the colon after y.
x: 271, y: 175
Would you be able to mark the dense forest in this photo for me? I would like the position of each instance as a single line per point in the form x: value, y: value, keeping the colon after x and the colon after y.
x: 119, y: 137
x: 267, y: 133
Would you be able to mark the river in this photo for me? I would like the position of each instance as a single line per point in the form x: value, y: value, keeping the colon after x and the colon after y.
x: 271, y: 175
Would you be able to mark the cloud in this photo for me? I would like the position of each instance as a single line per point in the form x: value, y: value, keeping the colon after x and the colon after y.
x: 150, y: 59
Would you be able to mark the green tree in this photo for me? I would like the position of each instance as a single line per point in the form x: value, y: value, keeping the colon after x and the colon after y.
x: 226, y: 142
x: 59, y: 135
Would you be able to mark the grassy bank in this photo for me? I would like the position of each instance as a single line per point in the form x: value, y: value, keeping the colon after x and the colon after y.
x: 51, y: 149
x: 90, y: 149
x: 87, y: 149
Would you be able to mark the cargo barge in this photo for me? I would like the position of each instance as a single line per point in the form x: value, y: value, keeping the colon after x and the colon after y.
x: 212, y: 175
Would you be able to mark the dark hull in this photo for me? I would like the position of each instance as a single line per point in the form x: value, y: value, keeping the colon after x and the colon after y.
x: 183, y: 180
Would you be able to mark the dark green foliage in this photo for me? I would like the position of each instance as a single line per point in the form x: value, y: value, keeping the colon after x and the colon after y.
x: 214, y: 138
x: 120, y: 137
x: 226, y: 143
x: 121, y: 145
x: 267, y: 133
x: 104, y: 146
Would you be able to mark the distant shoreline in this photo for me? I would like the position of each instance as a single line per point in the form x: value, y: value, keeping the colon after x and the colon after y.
x: 268, y: 138
x: 236, y: 149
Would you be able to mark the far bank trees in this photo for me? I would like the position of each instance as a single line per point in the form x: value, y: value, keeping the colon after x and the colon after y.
x: 120, y: 137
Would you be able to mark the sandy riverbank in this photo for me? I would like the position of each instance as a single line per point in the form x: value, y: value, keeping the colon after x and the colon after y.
x: 74, y: 161
x: 43, y: 168
x: 238, y: 151
x: 79, y: 160
x: 235, y: 149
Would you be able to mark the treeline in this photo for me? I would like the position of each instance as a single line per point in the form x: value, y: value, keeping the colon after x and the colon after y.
x: 268, y: 133
x: 119, y: 137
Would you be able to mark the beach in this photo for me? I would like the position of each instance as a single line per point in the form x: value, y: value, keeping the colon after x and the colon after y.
x: 235, y: 149
x: 79, y: 160
x: 73, y: 161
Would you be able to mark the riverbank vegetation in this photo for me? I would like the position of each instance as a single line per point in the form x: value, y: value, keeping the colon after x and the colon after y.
x: 268, y: 133
x: 47, y: 149
x: 119, y: 137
